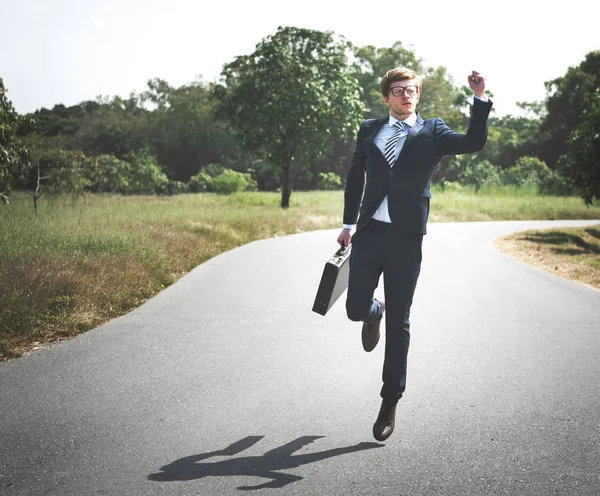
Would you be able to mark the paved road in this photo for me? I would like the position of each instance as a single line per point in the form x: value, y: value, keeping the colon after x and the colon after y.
x: 226, y: 381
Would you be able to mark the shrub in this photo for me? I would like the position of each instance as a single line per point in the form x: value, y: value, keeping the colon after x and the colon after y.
x: 113, y: 175
x: 146, y: 175
x: 214, y: 170
x: 452, y: 186
x: 200, y: 182
x: 230, y: 181
x: 528, y: 171
x: 174, y: 188
x: 481, y: 173
x: 329, y: 181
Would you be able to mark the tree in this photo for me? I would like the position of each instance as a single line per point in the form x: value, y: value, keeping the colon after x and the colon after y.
x: 569, y: 97
x: 580, y: 165
x: 146, y: 175
x: 510, y: 138
x: 372, y: 64
x: 11, y: 150
x: 112, y: 176
x: 72, y: 174
x: 290, y: 98
x: 183, y: 131
x: 34, y: 171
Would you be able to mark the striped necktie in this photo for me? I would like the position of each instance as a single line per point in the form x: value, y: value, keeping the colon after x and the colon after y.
x: 390, y: 145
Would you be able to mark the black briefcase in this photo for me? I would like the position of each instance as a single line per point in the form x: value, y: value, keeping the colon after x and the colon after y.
x: 334, y: 281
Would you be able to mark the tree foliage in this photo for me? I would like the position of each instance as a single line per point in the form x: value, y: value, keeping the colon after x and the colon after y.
x: 569, y: 97
x: 145, y: 175
x: 481, y: 173
x: 530, y: 171
x: 290, y: 98
x: 72, y: 173
x: 372, y: 63
x: 182, y: 129
x: 287, y: 116
x: 580, y: 165
x: 11, y: 150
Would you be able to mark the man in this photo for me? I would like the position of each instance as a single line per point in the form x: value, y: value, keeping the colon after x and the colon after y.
x: 398, y: 153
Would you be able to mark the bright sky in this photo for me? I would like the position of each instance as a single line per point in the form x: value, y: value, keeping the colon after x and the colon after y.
x: 68, y: 51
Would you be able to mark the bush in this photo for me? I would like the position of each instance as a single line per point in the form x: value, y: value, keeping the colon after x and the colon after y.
x: 481, y: 173
x: 217, y: 178
x: 214, y: 170
x: 174, y: 188
x: 200, y: 182
x: 329, y: 181
x: 451, y: 186
x: 230, y: 181
x: 146, y: 175
x: 528, y: 171
x: 113, y: 175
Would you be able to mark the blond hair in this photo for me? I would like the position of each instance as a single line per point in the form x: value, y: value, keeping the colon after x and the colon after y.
x: 397, y: 74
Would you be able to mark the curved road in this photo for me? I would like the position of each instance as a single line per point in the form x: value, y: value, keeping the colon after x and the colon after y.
x: 227, y: 382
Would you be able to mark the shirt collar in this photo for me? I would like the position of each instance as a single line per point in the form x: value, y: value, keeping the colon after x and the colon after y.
x: 410, y: 120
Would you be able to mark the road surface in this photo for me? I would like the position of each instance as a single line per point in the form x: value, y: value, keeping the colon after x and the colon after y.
x: 227, y: 382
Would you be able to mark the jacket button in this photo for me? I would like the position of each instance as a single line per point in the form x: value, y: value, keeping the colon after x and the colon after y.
x: 391, y: 173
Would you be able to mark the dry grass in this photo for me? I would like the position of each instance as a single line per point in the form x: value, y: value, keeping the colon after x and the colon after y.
x: 50, y: 299
x: 570, y: 253
x: 69, y: 269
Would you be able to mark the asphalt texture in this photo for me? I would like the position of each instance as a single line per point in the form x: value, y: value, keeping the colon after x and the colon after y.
x: 228, y: 382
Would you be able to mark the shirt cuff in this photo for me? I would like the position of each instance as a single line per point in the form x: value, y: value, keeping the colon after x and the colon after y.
x: 483, y: 98
x: 348, y: 226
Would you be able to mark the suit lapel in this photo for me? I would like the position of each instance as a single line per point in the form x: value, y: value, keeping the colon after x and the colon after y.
x: 414, y: 130
x: 373, y: 129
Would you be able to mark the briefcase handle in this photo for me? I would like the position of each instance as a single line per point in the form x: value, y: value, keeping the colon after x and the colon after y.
x: 342, y: 251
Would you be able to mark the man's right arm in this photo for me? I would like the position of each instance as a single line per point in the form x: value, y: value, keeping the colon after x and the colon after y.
x: 355, y: 181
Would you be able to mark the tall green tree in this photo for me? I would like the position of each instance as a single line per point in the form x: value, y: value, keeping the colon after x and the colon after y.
x: 11, y: 150
x: 372, y: 63
x: 146, y: 176
x: 510, y: 138
x: 73, y: 173
x: 183, y: 132
x: 114, y: 126
x: 290, y: 98
x: 580, y: 165
x: 569, y: 97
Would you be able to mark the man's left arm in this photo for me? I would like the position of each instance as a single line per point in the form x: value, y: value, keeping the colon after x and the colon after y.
x: 476, y: 136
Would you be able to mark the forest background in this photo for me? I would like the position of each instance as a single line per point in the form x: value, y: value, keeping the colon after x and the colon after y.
x: 284, y: 118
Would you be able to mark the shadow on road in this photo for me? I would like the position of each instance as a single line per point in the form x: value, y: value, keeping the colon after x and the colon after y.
x: 282, y: 458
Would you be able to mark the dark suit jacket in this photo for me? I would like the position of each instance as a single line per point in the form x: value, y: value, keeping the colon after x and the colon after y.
x: 407, y: 182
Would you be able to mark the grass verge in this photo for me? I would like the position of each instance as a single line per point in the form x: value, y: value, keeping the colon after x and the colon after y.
x: 570, y: 253
x: 73, y: 267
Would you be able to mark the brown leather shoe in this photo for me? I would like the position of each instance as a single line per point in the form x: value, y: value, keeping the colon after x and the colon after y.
x: 384, y: 425
x: 371, y: 332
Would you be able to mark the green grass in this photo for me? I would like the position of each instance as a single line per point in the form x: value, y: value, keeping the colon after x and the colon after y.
x: 74, y: 266
x: 506, y: 203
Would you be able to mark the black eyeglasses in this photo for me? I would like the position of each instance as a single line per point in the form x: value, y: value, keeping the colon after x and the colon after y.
x: 411, y: 90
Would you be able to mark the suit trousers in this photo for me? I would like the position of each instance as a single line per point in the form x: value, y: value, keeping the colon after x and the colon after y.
x: 381, y: 248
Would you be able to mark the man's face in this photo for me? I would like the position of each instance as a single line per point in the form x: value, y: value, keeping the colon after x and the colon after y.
x: 402, y: 98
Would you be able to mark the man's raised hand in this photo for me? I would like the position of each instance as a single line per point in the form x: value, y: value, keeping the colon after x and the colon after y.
x: 477, y: 84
